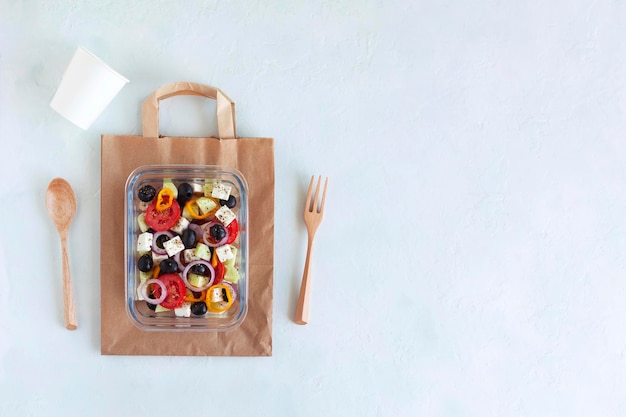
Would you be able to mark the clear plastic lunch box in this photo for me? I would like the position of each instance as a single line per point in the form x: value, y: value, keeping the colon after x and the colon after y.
x: 196, y: 175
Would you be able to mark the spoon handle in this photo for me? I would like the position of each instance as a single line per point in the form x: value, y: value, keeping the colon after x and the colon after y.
x: 69, y: 312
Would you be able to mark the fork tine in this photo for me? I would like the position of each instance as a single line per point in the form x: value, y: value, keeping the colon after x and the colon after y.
x: 309, y: 201
x: 317, y: 194
x: 321, y: 210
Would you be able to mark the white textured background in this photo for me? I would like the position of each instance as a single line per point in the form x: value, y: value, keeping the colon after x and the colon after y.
x: 471, y: 262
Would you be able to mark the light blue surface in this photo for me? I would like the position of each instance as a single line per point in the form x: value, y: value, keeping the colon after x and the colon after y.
x: 471, y: 261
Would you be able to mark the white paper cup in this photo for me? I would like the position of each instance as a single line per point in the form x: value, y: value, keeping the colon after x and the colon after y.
x: 87, y: 87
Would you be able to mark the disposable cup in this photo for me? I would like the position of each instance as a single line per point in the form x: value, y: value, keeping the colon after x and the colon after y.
x: 86, y: 89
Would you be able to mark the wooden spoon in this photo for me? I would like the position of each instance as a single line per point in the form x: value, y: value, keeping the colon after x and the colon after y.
x: 61, y: 206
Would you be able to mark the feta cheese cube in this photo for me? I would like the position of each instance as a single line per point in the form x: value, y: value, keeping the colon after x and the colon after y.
x: 184, y: 310
x: 231, y: 262
x: 216, y: 295
x: 225, y: 215
x: 180, y: 226
x: 173, y: 246
x: 224, y: 253
x: 138, y: 296
x: 189, y: 255
x: 143, y: 205
x: 221, y: 191
x: 197, y: 188
x: 144, y: 242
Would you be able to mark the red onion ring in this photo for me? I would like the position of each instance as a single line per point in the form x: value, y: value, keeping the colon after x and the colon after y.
x: 207, y: 230
x: 144, y: 291
x: 157, y: 249
x: 233, y: 291
x: 181, y: 265
x: 189, y: 266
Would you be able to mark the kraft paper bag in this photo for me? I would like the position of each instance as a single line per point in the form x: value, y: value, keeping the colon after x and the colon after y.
x: 254, y: 157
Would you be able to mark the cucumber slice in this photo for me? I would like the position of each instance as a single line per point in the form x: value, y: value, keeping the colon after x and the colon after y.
x: 144, y: 276
x: 186, y: 214
x: 167, y: 183
x: 231, y: 274
x: 203, y: 252
x: 205, y: 204
x: 208, y: 186
x: 160, y: 309
x: 196, y: 280
x: 141, y: 221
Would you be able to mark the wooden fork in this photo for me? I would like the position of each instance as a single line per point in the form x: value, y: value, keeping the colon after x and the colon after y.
x: 313, y: 212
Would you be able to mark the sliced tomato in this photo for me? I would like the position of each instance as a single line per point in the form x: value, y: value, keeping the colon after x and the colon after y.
x: 162, y: 220
x: 176, y: 291
x: 233, y: 230
x: 220, y: 270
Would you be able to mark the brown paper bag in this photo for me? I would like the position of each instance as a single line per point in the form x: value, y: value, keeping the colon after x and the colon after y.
x: 254, y: 157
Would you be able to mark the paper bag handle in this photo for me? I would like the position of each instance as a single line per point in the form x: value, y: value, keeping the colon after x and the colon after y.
x: 225, y: 107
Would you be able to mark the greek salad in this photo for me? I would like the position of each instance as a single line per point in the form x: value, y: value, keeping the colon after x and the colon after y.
x: 187, y: 247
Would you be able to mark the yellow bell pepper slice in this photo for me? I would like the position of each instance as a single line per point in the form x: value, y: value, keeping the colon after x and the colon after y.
x: 192, y: 298
x: 165, y: 199
x: 194, y: 211
x: 219, y: 307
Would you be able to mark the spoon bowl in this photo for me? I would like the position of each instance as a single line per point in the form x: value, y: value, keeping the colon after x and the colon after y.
x: 61, y: 207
